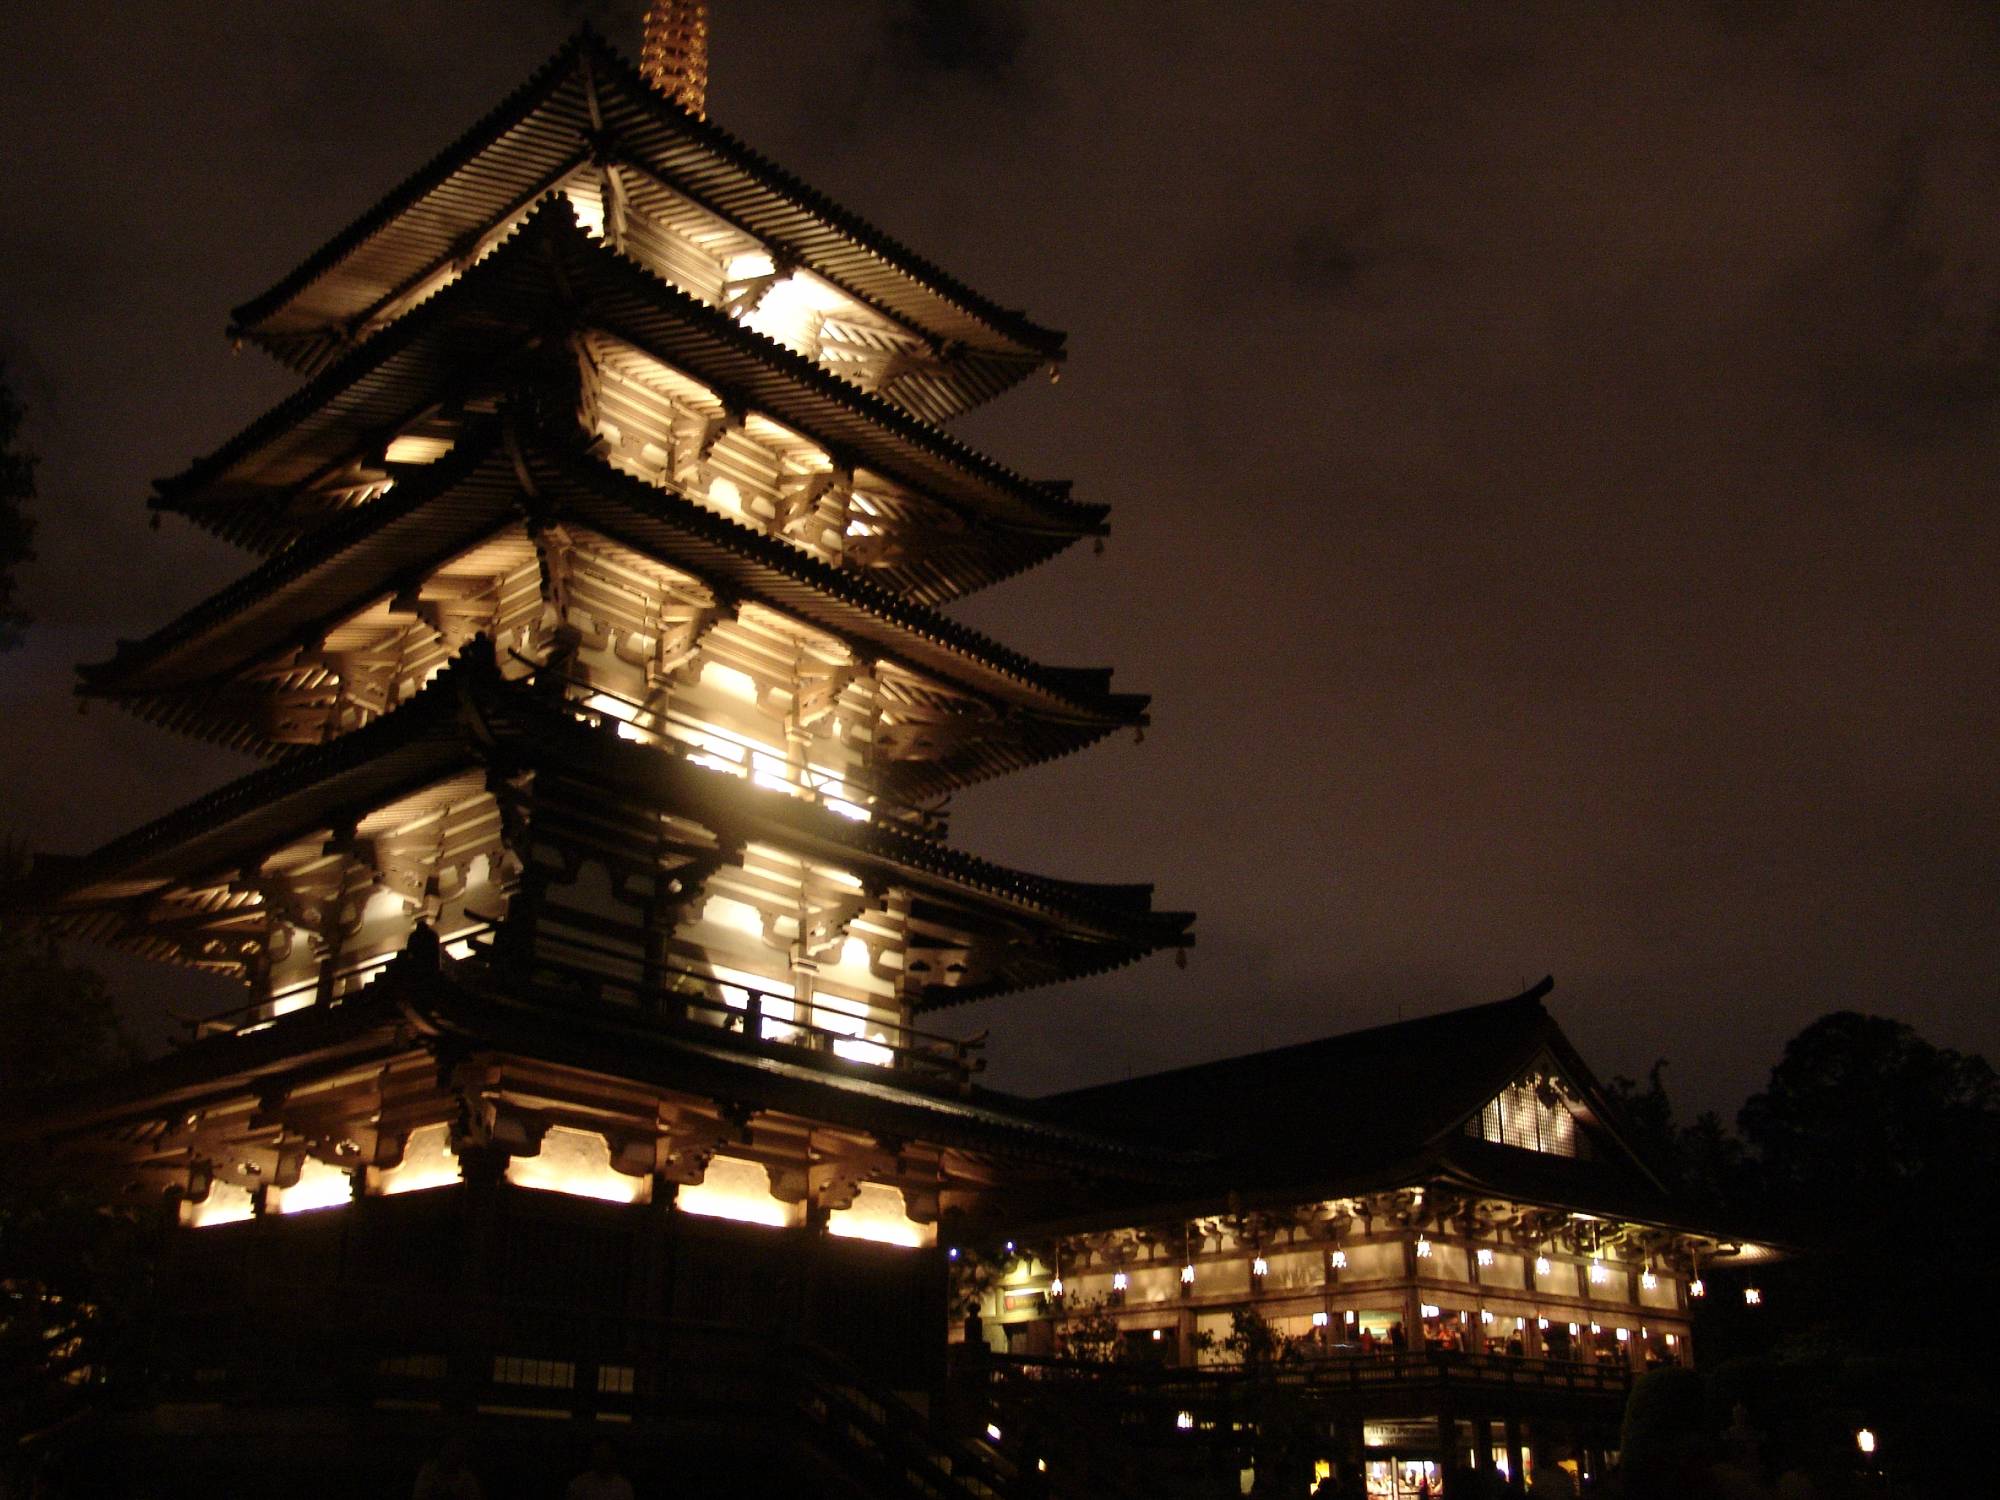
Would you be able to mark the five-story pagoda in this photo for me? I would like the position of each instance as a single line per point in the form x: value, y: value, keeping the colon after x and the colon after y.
x: 610, y: 723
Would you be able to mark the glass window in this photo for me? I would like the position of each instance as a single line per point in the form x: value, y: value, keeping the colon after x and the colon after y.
x: 1532, y: 1116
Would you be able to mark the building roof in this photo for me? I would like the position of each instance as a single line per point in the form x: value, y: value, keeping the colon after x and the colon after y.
x: 588, y: 104
x: 1383, y: 1107
x: 547, y: 276
x: 470, y: 717
x: 411, y: 1007
x: 181, y: 675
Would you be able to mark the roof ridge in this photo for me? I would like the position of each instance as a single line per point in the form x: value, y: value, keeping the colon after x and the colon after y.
x: 568, y: 459
x: 553, y: 218
x: 353, y: 748
x: 923, y: 619
x: 346, y: 241
x: 344, y: 527
x: 1528, y: 999
x: 1010, y: 323
x: 940, y: 281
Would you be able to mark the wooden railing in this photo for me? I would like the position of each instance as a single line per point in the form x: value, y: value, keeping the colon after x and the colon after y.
x: 1337, y: 1373
x: 619, y: 975
x: 681, y: 734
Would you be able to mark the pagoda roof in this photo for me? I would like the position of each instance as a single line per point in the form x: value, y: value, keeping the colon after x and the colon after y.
x: 412, y: 1007
x: 550, y: 274
x: 589, y: 104
x: 1381, y: 1108
x: 469, y: 718
x: 500, y: 470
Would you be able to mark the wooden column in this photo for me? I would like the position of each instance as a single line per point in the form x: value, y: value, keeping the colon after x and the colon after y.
x: 469, y: 1366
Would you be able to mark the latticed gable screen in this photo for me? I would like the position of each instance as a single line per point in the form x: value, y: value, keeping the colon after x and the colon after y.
x: 1520, y: 1116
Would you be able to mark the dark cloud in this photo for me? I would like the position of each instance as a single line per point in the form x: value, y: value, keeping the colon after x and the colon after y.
x: 1321, y: 261
x: 1552, y: 451
x: 978, y: 40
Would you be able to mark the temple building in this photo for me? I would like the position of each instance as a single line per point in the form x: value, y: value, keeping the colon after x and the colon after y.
x: 1430, y: 1246
x: 594, y: 911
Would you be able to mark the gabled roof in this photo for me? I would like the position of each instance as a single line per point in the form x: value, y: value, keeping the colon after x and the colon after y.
x: 588, y: 103
x: 180, y: 675
x: 547, y: 276
x: 469, y: 717
x: 1376, y: 1108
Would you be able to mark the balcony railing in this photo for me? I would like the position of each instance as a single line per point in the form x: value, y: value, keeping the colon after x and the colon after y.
x: 732, y: 753
x: 1332, y: 1371
x: 618, y: 975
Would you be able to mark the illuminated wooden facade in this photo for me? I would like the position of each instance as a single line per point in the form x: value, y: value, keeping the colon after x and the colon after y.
x: 594, y: 904
x: 594, y: 901
x: 1429, y: 1245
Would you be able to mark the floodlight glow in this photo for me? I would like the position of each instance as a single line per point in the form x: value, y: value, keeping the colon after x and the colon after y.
x: 878, y: 1213
x: 319, y: 1186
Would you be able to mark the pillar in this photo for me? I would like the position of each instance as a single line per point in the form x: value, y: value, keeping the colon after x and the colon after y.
x: 469, y: 1364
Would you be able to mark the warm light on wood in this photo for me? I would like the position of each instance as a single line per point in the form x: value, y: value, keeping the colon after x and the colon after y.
x: 674, y: 53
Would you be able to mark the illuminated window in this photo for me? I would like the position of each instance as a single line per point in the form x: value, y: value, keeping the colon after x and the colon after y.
x: 615, y: 1379
x: 548, y: 1374
x: 1532, y: 1116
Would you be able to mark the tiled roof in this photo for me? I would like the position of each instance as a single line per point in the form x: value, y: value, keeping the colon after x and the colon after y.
x: 430, y: 738
x: 1367, y: 1107
x: 475, y: 492
x: 544, y: 129
x: 374, y: 1027
x: 549, y: 272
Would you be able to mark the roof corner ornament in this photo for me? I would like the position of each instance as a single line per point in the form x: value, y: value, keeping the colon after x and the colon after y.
x: 674, y: 52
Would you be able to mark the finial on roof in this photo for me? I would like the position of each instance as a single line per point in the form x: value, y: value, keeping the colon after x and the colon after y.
x: 674, y: 52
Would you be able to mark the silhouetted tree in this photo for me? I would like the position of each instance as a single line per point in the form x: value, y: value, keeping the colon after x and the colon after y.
x: 1870, y: 1153
x: 1703, y: 1161
x: 71, y: 1272
x: 1863, y: 1105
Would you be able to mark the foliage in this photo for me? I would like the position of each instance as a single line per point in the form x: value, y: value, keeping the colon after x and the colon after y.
x: 17, y: 527
x: 1090, y: 1335
x: 978, y: 1260
x: 1703, y: 1162
x: 1864, y: 1100
x: 1666, y: 1442
x: 1869, y: 1152
x: 1252, y: 1341
x: 72, y: 1274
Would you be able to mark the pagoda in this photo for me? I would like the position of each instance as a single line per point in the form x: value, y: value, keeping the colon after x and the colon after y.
x: 594, y: 899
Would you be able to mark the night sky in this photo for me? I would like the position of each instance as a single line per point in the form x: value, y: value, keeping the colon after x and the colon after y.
x: 1552, y: 451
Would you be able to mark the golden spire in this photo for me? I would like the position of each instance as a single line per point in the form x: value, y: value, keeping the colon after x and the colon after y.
x: 674, y: 53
